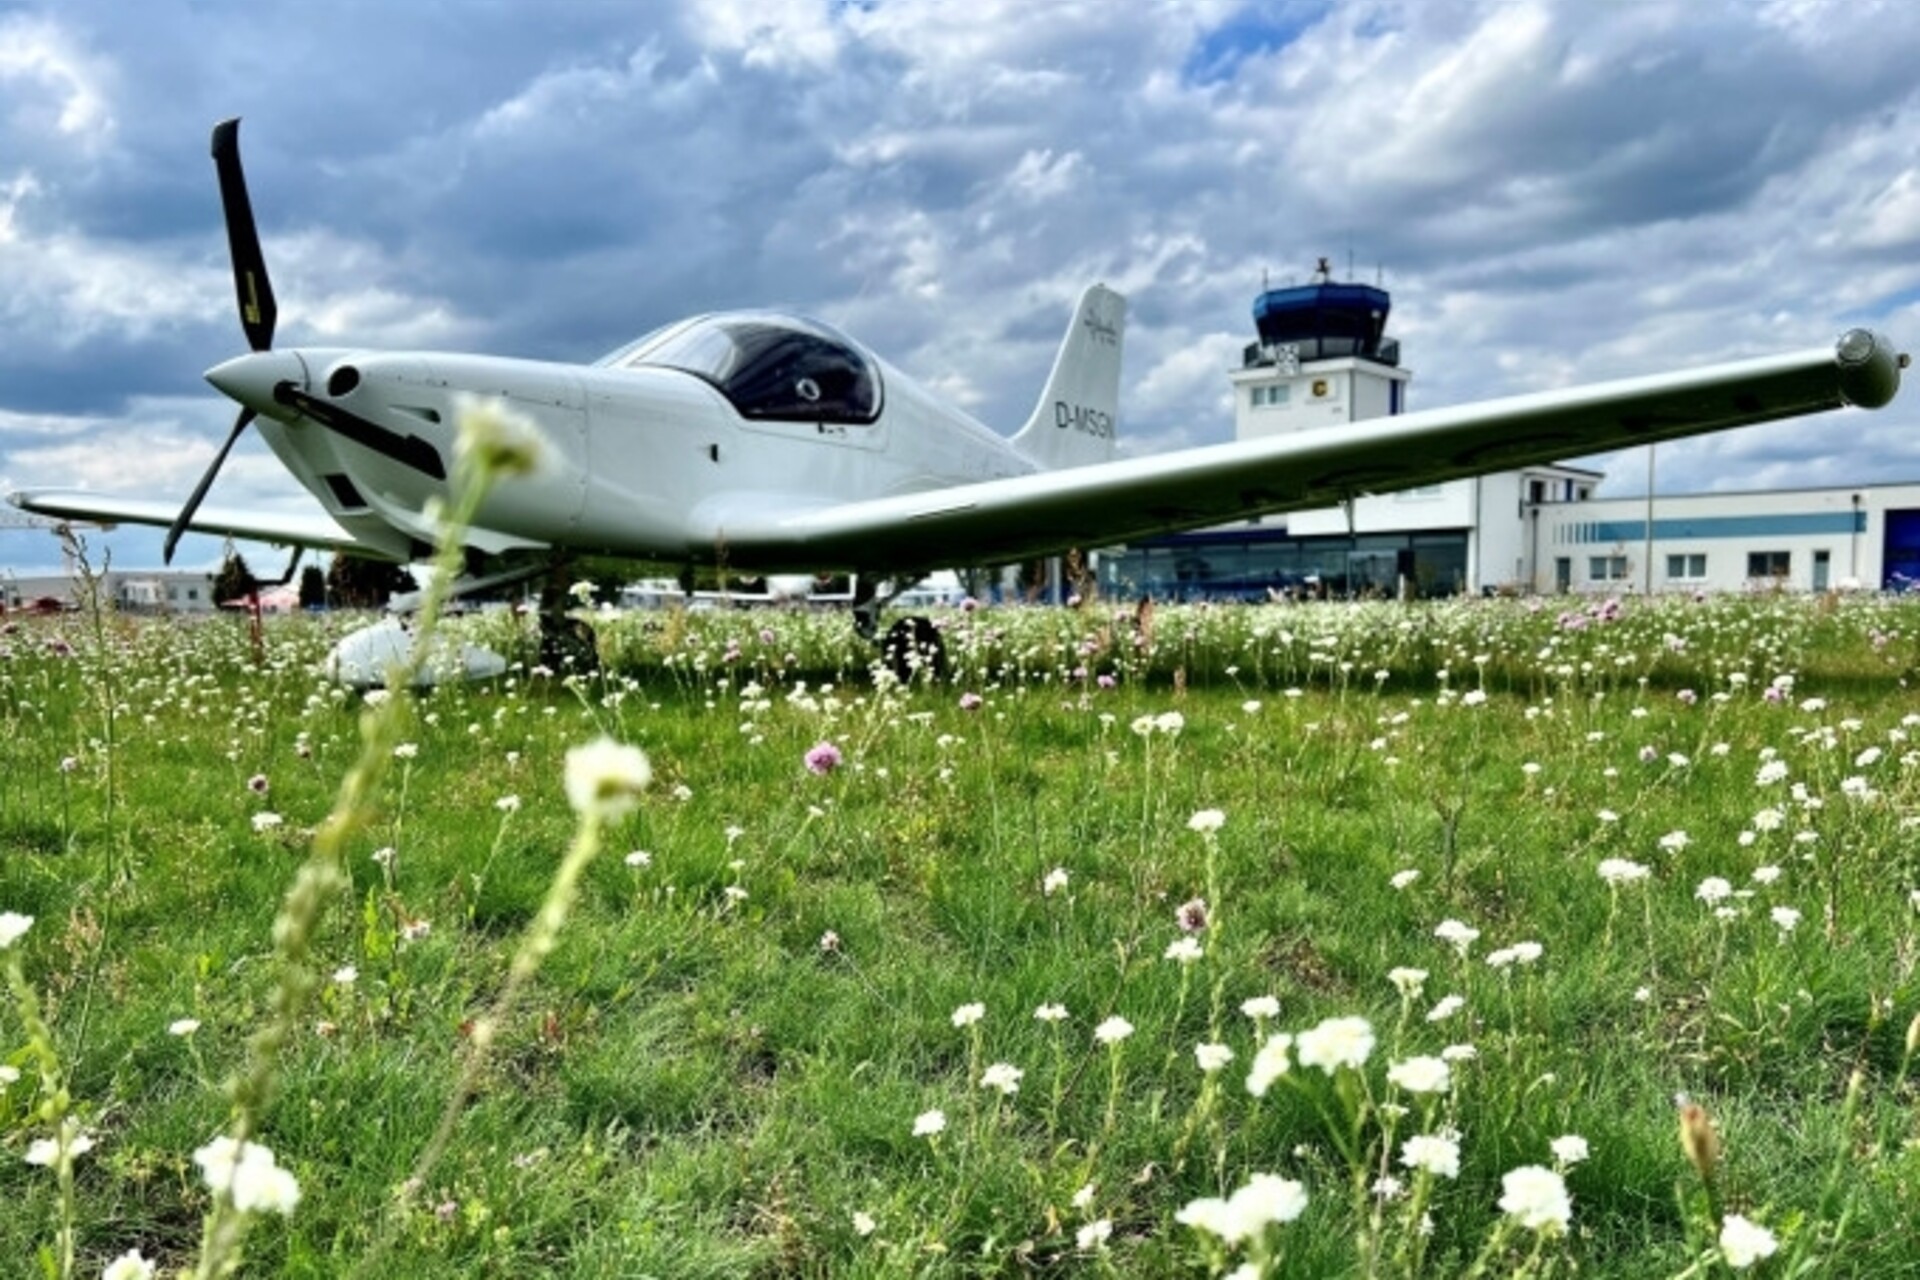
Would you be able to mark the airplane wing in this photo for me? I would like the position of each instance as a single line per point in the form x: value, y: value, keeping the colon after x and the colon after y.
x: 257, y: 526
x: 1111, y: 502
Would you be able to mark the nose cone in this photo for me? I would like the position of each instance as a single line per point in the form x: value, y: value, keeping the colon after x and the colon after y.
x: 251, y: 379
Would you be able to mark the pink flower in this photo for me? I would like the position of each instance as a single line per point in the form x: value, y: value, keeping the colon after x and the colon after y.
x: 823, y: 758
x: 970, y: 701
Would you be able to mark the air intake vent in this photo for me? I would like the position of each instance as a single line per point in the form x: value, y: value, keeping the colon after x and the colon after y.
x: 344, y: 493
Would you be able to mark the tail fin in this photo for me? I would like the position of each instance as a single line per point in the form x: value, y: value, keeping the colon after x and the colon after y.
x: 1073, y: 424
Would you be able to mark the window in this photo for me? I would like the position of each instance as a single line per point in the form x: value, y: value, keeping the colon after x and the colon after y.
x: 1271, y: 397
x: 1769, y: 564
x: 1607, y: 568
x: 1687, y: 567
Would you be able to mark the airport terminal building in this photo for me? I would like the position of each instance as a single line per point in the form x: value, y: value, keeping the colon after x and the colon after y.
x: 1323, y: 357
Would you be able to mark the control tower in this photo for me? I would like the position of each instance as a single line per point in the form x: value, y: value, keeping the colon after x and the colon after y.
x: 1323, y: 358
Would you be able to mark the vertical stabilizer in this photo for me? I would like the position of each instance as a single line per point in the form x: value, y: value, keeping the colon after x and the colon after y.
x: 1073, y: 424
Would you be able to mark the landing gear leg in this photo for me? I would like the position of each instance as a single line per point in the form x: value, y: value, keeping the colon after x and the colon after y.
x: 867, y: 604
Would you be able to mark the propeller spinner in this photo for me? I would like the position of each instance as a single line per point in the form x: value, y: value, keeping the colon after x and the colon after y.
x: 253, y: 291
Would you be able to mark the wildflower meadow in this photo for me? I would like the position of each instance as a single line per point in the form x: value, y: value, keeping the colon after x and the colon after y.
x: 1461, y: 938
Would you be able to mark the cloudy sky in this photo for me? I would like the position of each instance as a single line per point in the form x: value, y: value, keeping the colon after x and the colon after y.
x: 1555, y: 193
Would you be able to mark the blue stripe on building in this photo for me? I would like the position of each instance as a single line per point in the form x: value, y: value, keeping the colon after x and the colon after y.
x: 1754, y: 526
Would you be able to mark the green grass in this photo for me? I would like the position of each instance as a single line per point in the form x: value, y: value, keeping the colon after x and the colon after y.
x: 703, y: 1083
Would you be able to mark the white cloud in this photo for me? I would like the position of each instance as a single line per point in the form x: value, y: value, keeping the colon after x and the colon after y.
x: 779, y: 35
x: 56, y: 88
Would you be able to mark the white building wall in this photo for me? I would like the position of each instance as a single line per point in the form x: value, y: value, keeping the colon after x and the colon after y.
x: 1709, y: 542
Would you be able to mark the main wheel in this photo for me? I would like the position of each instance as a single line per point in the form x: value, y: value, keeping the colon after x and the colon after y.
x: 914, y: 648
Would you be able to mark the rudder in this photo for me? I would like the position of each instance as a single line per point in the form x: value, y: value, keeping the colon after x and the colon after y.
x: 1073, y: 423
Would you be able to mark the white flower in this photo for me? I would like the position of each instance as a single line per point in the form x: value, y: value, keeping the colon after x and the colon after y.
x: 1083, y: 1197
x: 1113, y: 1030
x: 1260, y: 1007
x: 968, y: 1014
x: 1207, y: 821
x: 265, y: 821
x: 1445, y: 1008
x: 1184, y: 950
x: 12, y: 926
x: 863, y: 1223
x: 46, y: 1151
x: 605, y: 778
x: 1408, y: 981
x: 1003, y: 1076
x: 1435, y: 1152
x: 1744, y: 1243
x: 1527, y: 952
x: 1785, y: 918
x: 1457, y: 935
x: 1212, y: 1057
x: 1209, y: 1214
x: 1267, y: 1198
x: 9, y: 1075
x: 346, y: 975
x: 128, y: 1266
x: 1269, y: 1064
x: 1336, y: 1043
x: 183, y: 1026
x: 1055, y: 881
x: 1713, y: 889
x: 1619, y: 871
x: 1765, y: 875
x: 1771, y: 772
x: 1569, y: 1148
x: 928, y: 1123
x: 1421, y: 1075
x: 1401, y: 879
x: 1675, y: 841
x: 1094, y: 1234
x: 1051, y: 1013
x: 1170, y: 722
x: 1536, y: 1198
x: 639, y: 859
x: 500, y: 440
x: 508, y: 804
x: 248, y: 1172
x: 1459, y: 1053
x: 406, y: 751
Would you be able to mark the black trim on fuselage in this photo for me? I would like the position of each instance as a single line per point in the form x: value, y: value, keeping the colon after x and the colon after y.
x: 410, y: 451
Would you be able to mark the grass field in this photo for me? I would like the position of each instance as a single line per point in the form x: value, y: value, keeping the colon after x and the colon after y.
x: 845, y: 995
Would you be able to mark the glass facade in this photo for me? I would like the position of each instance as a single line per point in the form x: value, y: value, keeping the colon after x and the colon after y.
x: 1260, y: 565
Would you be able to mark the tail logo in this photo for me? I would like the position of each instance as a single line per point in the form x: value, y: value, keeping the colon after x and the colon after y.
x: 1101, y: 326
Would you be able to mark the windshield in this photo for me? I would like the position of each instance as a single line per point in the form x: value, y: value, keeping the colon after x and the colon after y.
x: 769, y: 366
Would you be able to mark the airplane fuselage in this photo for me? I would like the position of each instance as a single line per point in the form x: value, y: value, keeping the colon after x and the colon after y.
x: 637, y: 456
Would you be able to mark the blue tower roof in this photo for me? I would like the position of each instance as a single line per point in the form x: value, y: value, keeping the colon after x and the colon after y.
x: 1326, y: 320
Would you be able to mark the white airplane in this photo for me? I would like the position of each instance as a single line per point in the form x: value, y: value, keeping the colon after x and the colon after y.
x: 769, y: 443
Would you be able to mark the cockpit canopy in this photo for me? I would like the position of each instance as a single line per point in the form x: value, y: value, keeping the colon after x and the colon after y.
x: 771, y: 367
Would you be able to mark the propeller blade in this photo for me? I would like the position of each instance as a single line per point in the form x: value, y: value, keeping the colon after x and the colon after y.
x: 250, y: 284
x: 181, y: 521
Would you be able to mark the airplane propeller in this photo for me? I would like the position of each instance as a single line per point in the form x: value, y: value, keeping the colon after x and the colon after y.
x: 253, y: 290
